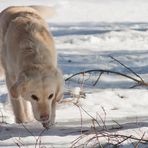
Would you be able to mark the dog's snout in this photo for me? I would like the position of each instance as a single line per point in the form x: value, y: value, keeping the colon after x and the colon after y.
x: 44, y: 117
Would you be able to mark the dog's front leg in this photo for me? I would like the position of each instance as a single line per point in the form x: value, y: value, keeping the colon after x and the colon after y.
x: 19, y: 110
x: 17, y: 103
x: 28, y: 110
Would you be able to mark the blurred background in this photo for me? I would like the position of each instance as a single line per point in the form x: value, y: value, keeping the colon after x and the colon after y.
x: 92, y: 10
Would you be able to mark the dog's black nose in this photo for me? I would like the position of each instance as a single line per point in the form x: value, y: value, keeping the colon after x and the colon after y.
x: 44, y: 117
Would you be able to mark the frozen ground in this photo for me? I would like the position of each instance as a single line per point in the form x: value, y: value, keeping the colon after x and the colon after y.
x: 86, y: 33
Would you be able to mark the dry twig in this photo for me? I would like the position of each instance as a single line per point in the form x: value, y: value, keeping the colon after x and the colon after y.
x: 139, y: 81
x: 127, y: 68
x: 92, y: 137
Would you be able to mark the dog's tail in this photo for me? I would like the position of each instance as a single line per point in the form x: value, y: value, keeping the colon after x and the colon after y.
x: 45, y: 11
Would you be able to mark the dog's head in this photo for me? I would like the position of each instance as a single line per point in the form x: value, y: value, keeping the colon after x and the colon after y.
x: 43, y: 91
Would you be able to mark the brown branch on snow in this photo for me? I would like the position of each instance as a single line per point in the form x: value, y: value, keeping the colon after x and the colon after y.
x: 2, y: 116
x: 102, y: 71
x: 139, y: 81
x: 119, y: 126
x: 18, y: 142
x: 29, y: 131
x: 80, y: 116
x: 140, y: 140
x: 113, y: 139
x: 37, y: 139
x: 127, y: 68
x: 92, y: 137
x: 98, y: 78
x: 136, y: 146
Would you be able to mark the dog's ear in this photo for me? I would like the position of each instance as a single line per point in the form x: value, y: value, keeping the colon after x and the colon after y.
x: 18, y: 86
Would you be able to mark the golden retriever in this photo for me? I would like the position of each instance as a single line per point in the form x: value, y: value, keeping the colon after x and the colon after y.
x: 29, y: 59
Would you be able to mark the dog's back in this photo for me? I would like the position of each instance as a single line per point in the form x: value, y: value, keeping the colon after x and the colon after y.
x: 14, y: 11
x: 23, y: 31
x: 30, y: 64
x: 7, y: 15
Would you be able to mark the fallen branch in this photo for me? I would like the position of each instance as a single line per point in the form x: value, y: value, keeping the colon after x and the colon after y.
x: 136, y: 146
x: 126, y: 67
x: 114, y: 139
x: 139, y: 82
x: 94, y: 137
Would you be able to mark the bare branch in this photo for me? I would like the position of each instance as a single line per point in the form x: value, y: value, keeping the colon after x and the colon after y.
x: 92, y: 137
x: 126, y: 68
x: 28, y: 131
x: 141, y: 83
x: 98, y: 78
x: 136, y: 146
x: 38, y: 139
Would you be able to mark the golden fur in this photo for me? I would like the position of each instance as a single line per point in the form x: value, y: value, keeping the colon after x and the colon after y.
x: 29, y: 60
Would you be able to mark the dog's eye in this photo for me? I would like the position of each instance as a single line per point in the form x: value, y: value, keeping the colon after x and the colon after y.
x: 50, y: 96
x: 34, y: 97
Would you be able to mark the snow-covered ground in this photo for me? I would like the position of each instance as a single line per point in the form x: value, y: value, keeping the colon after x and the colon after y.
x: 87, y: 33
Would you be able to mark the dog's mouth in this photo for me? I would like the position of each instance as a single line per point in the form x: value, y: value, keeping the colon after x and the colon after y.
x: 47, y: 124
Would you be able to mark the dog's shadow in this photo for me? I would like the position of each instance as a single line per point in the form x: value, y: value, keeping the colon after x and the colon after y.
x: 8, y: 131
x: 61, y: 129
x: 15, y: 133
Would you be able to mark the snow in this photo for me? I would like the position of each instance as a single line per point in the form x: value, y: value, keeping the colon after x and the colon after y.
x: 86, y: 34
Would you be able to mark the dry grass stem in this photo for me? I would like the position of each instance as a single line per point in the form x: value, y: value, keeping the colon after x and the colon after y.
x: 94, y: 137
